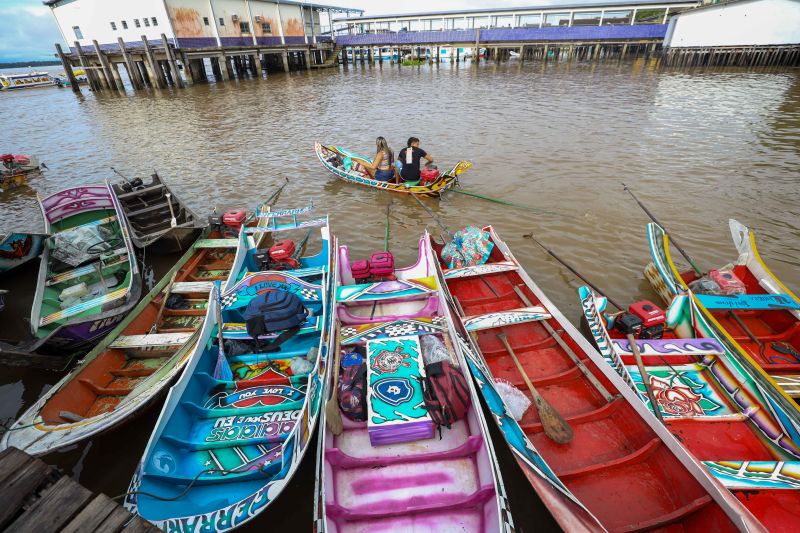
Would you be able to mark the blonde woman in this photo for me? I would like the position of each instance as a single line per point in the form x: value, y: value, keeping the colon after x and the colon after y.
x: 382, y: 167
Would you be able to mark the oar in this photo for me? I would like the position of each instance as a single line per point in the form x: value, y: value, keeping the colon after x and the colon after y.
x: 333, y: 417
x: 503, y: 202
x: 222, y: 370
x: 555, y: 427
x: 645, y: 377
x: 569, y: 267
x: 172, y: 222
x: 654, y: 219
x: 450, y: 234
x: 274, y: 195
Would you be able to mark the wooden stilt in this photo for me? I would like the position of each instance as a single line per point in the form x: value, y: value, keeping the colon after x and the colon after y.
x: 157, y: 75
x: 109, y: 77
x: 133, y: 73
x: 173, y: 65
x: 73, y: 81
x: 91, y: 74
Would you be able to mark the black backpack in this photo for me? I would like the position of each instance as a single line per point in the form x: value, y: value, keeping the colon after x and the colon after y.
x: 271, y: 312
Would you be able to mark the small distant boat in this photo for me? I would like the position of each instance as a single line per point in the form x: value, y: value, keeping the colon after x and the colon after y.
x: 18, y: 248
x: 135, y: 362
x: 88, y: 277
x: 224, y: 449
x: 345, y: 165
x: 24, y: 80
x: 14, y: 169
x: 395, y: 471
x: 158, y: 220
x: 620, y: 470
x: 763, y: 324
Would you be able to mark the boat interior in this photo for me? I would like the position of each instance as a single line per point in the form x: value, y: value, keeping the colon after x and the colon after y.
x: 443, y: 483
x: 615, y: 464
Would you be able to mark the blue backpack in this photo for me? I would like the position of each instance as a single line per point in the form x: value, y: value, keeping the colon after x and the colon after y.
x: 274, y: 311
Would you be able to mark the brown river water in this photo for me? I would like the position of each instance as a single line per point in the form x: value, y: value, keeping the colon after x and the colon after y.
x: 697, y: 147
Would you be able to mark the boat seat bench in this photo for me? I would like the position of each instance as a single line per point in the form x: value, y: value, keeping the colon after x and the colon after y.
x: 120, y: 255
x: 83, y: 306
x: 139, y: 192
x: 665, y: 347
x: 151, y: 340
x: 190, y: 287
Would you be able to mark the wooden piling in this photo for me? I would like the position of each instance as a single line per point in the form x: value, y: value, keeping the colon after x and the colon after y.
x: 133, y: 73
x: 73, y: 81
x: 173, y: 64
x: 285, y: 57
x: 157, y: 76
x: 91, y: 75
x: 109, y: 78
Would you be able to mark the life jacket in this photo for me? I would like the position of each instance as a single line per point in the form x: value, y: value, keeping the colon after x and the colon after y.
x: 352, y: 392
x: 446, y: 393
x: 271, y: 312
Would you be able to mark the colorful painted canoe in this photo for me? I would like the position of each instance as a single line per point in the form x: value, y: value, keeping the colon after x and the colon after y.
x: 384, y: 474
x: 711, y: 403
x: 110, y: 271
x: 240, y: 440
x: 345, y: 165
x: 769, y: 311
x: 18, y: 248
x: 622, y: 471
x: 135, y: 362
x: 150, y: 209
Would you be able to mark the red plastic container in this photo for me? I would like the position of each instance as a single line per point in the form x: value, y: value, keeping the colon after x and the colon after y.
x: 729, y: 283
x: 359, y: 269
x: 282, y: 250
x: 381, y: 264
x: 234, y: 218
x: 649, y: 312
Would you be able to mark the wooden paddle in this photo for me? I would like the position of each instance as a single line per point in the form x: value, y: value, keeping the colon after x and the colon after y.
x: 555, y: 427
x: 645, y: 377
x: 172, y: 221
x: 333, y: 416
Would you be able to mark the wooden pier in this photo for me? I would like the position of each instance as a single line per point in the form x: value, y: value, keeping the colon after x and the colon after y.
x: 35, y: 498
x: 733, y: 56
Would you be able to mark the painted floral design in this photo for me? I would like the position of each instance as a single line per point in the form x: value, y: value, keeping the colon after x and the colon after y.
x: 680, y: 393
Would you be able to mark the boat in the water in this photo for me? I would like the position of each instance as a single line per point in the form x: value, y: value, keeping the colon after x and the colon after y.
x: 88, y: 275
x: 392, y: 470
x: 743, y: 433
x: 135, y: 362
x: 349, y: 167
x: 24, y: 80
x: 224, y: 449
x: 620, y: 470
x: 17, y: 248
x: 14, y: 169
x: 158, y: 220
x: 743, y: 302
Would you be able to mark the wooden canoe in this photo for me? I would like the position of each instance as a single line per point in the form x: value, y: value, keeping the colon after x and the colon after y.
x: 147, y: 210
x: 714, y: 406
x: 769, y: 311
x: 134, y: 363
x: 112, y: 276
x: 333, y: 158
x: 427, y: 481
x: 241, y: 440
x: 622, y: 471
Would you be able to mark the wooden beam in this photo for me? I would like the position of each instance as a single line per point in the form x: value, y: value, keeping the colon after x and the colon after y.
x: 133, y: 72
x: 173, y: 64
x: 158, y: 77
x: 67, y: 64
x: 110, y: 83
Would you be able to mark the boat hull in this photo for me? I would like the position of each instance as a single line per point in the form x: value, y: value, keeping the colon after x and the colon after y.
x: 18, y: 248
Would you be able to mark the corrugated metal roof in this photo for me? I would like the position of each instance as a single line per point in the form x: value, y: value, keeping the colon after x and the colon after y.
x: 543, y: 7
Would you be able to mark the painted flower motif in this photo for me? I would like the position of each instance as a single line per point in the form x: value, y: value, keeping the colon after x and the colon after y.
x: 676, y: 399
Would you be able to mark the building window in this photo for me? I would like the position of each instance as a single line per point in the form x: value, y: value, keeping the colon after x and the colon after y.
x: 530, y: 21
x: 114, y: 26
x: 155, y: 21
x: 221, y: 21
x: 244, y: 27
x: 78, y: 33
x: 266, y: 27
x: 586, y: 19
x: 124, y: 24
x: 146, y: 22
x: 556, y: 19
x: 137, y: 23
x: 504, y: 22
x: 205, y: 21
x: 616, y: 17
x: 649, y: 16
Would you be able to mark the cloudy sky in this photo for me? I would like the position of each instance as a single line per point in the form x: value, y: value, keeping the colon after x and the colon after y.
x: 28, y: 31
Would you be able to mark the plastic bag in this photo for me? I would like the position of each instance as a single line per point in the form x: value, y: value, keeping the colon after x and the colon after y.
x: 433, y: 350
x: 71, y: 246
x: 470, y: 246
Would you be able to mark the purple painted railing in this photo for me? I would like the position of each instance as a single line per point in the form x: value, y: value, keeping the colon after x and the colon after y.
x: 555, y: 33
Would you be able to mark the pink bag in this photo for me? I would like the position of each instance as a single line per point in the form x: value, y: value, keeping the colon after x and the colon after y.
x: 360, y: 269
x: 381, y: 264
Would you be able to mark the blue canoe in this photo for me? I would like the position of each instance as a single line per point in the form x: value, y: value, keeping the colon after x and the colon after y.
x: 222, y: 451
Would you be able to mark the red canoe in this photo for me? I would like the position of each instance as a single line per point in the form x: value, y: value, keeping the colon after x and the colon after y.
x: 621, y: 466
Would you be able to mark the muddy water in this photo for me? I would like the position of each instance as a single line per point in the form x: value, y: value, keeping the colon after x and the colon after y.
x: 697, y: 147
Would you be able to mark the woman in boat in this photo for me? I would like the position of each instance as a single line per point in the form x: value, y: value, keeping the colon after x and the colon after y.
x: 382, y: 167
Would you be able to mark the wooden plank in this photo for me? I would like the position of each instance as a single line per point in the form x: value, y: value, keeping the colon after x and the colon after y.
x: 115, y: 521
x: 187, y: 287
x: 56, y: 507
x: 138, y: 525
x: 505, y: 318
x: 21, y: 484
x: 152, y: 339
x: 91, y: 516
x: 216, y: 243
x: 11, y: 460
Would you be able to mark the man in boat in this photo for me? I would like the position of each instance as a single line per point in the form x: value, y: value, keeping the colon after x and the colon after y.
x: 410, y: 157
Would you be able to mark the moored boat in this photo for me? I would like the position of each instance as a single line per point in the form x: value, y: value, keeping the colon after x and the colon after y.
x: 17, y: 248
x: 135, y: 362
x: 620, y: 470
x: 224, y: 449
x: 347, y: 166
x: 392, y: 470
x: 740, y: 431
x: 14, y: 169
x: 755, y: 312
x: 88, y: 275
x: 158, y: 220
x: 24, y: 80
